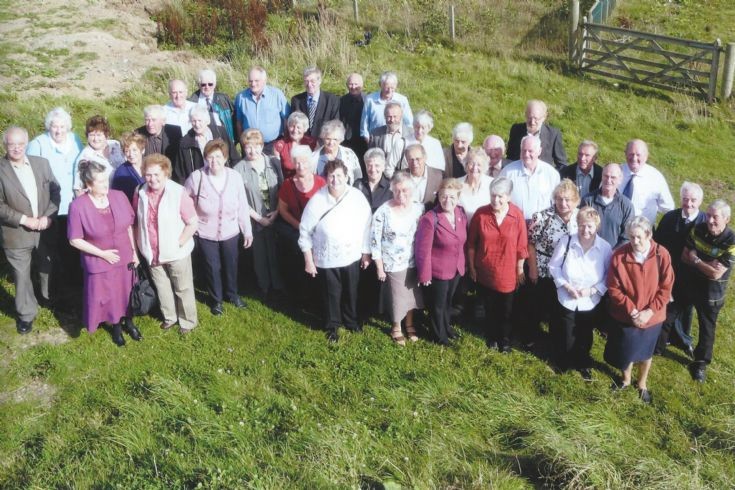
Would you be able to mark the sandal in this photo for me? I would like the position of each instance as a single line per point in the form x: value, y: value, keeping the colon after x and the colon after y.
x: 397, y: 336
x: 411, y: 332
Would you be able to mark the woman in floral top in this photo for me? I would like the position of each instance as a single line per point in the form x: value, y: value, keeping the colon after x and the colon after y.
x: 391, y: 246
x: 546, y: 228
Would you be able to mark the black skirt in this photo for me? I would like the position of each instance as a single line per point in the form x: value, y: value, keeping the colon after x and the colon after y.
x: 627, y: 344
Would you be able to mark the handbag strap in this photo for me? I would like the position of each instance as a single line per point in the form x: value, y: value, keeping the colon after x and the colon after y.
x: 330, y: 209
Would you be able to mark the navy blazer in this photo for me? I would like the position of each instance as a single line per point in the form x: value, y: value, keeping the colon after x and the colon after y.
x: 570, y: 172
x: 552, y: 148
x: 327, y: 108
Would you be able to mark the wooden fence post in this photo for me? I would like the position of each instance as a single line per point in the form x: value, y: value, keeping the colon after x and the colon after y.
x: 452, y: 33
x: 573, y: 27
x: 357, y: 11
x: 729, y: 75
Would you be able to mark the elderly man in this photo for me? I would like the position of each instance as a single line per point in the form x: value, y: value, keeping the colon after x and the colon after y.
x: 494, y: 147
x: 552, y: 148
x: 455, y: 155
x: 615, y: 209
x: 392, y: 139
x: 318, y: 105
x: 533, y: 180
x: 373, y: 113
x: 159, y: 137
x: 219, y: 105
x: 261, y: 107
x: 585, y: 172
x: 426, y: 180
x: 29, y: 199
x: 350, y: 113
x: 672, y: 232
x: 644, y: 185
x: 706, y: 261
x: 177, y: 109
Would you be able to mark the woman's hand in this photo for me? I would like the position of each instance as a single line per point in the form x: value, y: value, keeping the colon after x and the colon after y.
x: 365, y: 261
x: 644, y: 317
x: 247, y: 241
x: 573, y: 292
x: 520, y: 277
x: 136, y: 259
x: 381, y: 272
x: 427, y: 283
x: 310, y: 268
x: 111, y: 256
x: 532, y: 275
x: 473, y: 273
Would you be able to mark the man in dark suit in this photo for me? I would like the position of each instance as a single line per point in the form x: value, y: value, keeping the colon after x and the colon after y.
x: 319, y: 106
x: 392, y: 138
x: 585, y: 172
x: 552, y: 148
x: 426, y: 180
x: 350, y: 113
x: 159, y: 137
x: 29, y: 200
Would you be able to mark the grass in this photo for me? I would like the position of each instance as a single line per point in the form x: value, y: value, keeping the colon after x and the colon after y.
x: 258, y: 399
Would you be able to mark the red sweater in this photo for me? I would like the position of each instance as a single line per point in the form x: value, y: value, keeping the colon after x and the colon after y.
x: 639, y: 286
x: 498, y: 248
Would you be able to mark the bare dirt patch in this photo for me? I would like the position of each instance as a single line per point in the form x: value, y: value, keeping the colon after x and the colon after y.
x: 33, y: 391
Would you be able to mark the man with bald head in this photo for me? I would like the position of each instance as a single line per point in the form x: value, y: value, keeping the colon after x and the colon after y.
x: 552, y: 148
x: 494, y: 147
x: 350, y: 113
x: 178, y: 107
x: 615, y: 209
x: 644, y: 185
x: 261, y: 106
x: 585, y: 172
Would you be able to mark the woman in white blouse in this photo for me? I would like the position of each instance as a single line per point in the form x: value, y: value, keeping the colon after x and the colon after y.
x: 391, y: 244
x: 99, y: 149
x: 334, y: 235
x: 476, y: 184
x: 423, y: 123
x: 579, y: 268
x: 332, y: 135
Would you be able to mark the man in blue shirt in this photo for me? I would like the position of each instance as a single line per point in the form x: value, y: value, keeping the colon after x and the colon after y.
x: 373, y: 112
x: 261, y: 107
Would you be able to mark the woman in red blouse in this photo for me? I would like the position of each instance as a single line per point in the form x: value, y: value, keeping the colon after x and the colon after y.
x: 497, y: 247
x: 297, y: 124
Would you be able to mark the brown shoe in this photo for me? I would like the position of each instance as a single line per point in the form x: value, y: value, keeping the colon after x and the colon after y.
x: 166, y: 326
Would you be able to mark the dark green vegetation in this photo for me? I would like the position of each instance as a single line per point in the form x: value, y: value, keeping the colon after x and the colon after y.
x: 259, y: 400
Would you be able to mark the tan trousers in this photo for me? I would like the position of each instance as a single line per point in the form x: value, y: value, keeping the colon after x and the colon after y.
x: 175, y: 286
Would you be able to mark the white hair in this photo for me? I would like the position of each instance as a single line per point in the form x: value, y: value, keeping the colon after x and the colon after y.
x: 534, y: 139
x: 494, y: 141
x: 58, y: 114
x: 721, y: 205
x: 374, y: 154
x: 691, y: 188
x: 155, y: 110
x: 13, y: 129
x: 202, y: 112
x: 463, y: 129
x: 313, y: 69
x: 501, y: 186
x: 388, y: 75
x: 335, y: 126
x: 424, y: 118
x: 207, y: 74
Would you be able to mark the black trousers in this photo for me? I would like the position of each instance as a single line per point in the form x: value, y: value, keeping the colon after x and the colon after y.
x: 219, y: 264
x: 538, y: 303
x: 571, y: 335
x: 438, y: 296
x: 66, y: 272
x: 679, y: 321
x: 339, y: 296
x: 707, y: 312
x: 498, y: 314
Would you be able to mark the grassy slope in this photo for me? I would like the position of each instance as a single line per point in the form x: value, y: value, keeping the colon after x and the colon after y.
x: 260, y: 400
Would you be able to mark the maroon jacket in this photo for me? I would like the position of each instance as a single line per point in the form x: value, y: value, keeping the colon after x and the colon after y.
x: 439, y: 248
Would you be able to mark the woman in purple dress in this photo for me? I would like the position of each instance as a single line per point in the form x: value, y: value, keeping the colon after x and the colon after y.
x: 100, y: 226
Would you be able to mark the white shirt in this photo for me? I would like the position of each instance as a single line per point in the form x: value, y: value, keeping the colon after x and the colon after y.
x: 531, y: 191
x: 24, y: 172
x: 116, y: 159
x: 469, y: 200
x: 340, y: 237
x: 419, y: 186
x: 580, y: 270
x: 434, y: 151
x: 179, y: 117
x: 651, y: 193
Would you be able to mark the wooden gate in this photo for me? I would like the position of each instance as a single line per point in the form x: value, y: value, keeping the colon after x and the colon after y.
x: 657, y: 61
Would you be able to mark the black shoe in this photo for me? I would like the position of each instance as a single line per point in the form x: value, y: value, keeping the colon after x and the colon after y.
x: 216, y: 309
x: 659, y: 352
x: 333, y: 337
x: 132, y: 329
x: 238, y: 303
x: 529, y: 345
x: 505, y: 349
x: 117, y: 336
x: 618, y: 386
x: 586, y: 374
x: 23, y: 327
x: 698, y: 371
x: 645, y: 395
x: 452, y: 335
x: 689, y: 351
x: 491, y: 344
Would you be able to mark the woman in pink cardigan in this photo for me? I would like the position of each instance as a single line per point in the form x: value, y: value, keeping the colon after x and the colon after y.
x: 439, y: 254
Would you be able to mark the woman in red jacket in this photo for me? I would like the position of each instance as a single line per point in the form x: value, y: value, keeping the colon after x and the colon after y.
x: 639, y: 282
x: 497, y: 248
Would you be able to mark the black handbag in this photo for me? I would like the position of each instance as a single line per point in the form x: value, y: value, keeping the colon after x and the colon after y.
x: 143, y: 297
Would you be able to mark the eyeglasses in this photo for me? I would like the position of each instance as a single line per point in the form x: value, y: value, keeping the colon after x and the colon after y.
x: 209, y: 84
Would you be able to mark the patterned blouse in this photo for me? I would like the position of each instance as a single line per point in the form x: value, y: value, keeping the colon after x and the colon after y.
x: 545, y: 230
x: 392, y: 236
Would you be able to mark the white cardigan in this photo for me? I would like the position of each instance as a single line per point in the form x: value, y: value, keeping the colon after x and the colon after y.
x: 170, y: 225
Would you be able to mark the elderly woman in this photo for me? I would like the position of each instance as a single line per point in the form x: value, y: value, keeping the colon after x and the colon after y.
x: 423, y: 123
x: 222, y: 207
x: 99, y: 149
x: 166, y: 221
x: 262, y: 177
x: 192, y: 144
x: 392, y: 245
x: 101, y: 227
x: 440, y: 258
x: 375, y: 186
x: 639, y: 283
x: 579, y: 268
x: 497, y: 248
x: 297, y: 124
x: 455, y: 155
x: 476, y: 184
x: 546, y: 229
x: 129, y: 175
x: 218, y: 103
x: 335, y: 239
x: 332, y: 135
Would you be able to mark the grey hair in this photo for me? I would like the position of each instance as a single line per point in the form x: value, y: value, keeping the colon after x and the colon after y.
x: 634, y: 141
x: 415, y: 146
x: 639, y: 222
x: 259, y: 69
x: 329, y: 127
x: 721, y: 205
x: 479, y: 155
x: 207, y: 74
x: 424, y: 118
x: 494, y: 138
x: 535, y: 139
x: 398, y: 178
x: 374, y: 154
x: 613, y: 165
x: 310, y: 70
x: 88, y: 170
x: 154, y: 110
x: 392, y: 104
x: 202, y: 112
x: 501, y: 186
x: 463, y: 129
x: 692, y: 188
x: 58, y: 113
x: 300, y: 118
x: 537, y: 103
x: 388, y: 75
x: 13, y: 129
x: 175, y: 80
x: 301, y: 151
x: 589, y: 143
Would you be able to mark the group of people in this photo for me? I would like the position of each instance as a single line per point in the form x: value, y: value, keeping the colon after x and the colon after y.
x: 351, y: 194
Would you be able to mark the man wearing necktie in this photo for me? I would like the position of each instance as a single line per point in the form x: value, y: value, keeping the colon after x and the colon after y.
x: 644, y: 185
x: 318, y: 105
